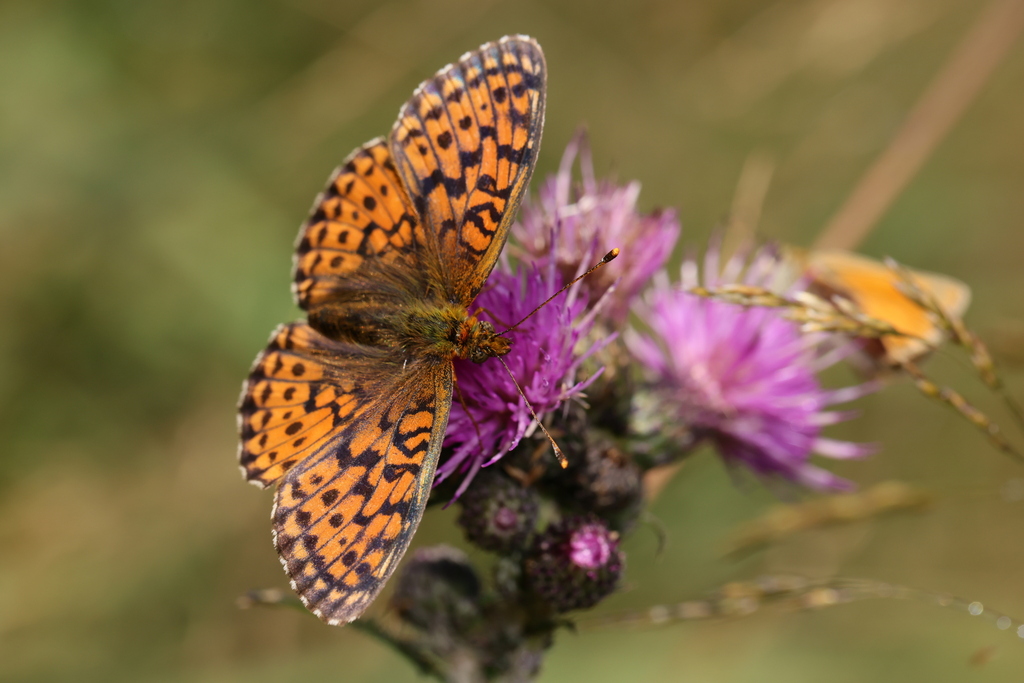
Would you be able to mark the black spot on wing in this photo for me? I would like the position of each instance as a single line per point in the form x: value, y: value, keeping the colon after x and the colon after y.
x: 471, y: 158
x: 393, y: 472
x: 454, y: 187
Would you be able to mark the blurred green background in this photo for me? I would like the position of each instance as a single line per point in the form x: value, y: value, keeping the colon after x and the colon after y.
x: 156, y: 159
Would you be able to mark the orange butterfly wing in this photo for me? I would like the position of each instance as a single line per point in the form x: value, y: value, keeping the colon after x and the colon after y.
x: 465, y: 146
x: 872, y: 286
x: 352, y: 431
x: 363, y: 214
x: 356, y: 469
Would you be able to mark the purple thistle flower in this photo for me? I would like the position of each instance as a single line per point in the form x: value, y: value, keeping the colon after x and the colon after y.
x: 576, y: 223
x: 544, y: 359
x: 744, y: 377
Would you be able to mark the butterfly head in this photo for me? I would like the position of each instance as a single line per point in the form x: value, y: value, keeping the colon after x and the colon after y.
x: 479, y: 341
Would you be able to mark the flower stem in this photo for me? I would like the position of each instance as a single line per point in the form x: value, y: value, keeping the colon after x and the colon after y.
x: 929, y: 122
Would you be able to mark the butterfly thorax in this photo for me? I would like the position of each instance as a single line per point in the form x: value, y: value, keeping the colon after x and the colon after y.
x: 447, y: 331
x: 421, y: 329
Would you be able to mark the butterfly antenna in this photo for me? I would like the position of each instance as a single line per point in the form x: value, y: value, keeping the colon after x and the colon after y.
x: 562, y: 460
x: 609, y: 257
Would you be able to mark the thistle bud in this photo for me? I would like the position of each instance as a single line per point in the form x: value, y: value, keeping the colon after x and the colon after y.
x: 497, y: 513
x: 438, y: 591
x: 575, y: 564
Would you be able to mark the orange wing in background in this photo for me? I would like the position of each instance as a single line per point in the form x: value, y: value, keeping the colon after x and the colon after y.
x: 872, y: 286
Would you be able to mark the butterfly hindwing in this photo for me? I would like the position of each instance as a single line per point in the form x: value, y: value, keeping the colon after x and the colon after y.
x: 465, y: 146
x: 363, y: 214
x: 351, y: 435
x: 301, y: 392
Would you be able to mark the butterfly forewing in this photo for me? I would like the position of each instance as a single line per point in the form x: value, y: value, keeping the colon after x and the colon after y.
x: 874, y: 288
x: 344, y: 517
x: 465, y: 147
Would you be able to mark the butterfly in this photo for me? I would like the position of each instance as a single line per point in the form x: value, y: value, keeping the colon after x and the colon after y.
x: 873, y: 287
x: 346, y: 412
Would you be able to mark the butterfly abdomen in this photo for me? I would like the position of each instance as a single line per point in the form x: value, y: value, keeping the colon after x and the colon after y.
x: 432, y: 329
x: 368, y: 322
